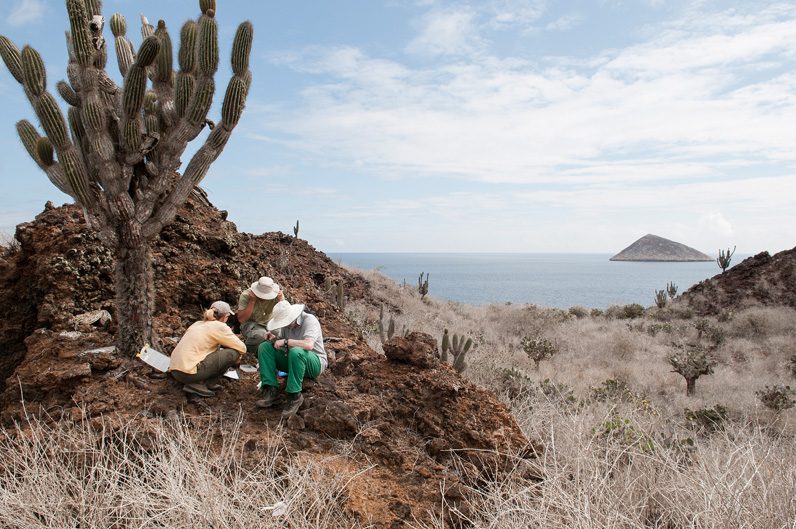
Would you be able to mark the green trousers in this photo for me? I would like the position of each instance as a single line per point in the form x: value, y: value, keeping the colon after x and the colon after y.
x: 297, y: 362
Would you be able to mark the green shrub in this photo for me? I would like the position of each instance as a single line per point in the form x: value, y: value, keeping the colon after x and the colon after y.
x: 655, y: 328
x: 692, y: 364
x: 616, y: 389
x: 578, y: 311
x: 712, y: 333
x: 514, y: 383
x: 777, y: 398
x: 596, y: 313
x: 620, y: 431
x: 557, y: 391
x: 707, y: 420
x: 625, y: 312
x: 538, y: 349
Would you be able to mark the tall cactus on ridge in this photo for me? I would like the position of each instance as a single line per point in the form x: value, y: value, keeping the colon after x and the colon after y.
x: 117, y: 151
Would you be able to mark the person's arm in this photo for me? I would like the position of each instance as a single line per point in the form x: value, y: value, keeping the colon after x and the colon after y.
x: 305, y: 344
x: 228, y: 339
x: 246, y: 312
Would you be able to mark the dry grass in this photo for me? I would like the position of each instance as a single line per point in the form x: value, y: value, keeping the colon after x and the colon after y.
x: 171, y: 474
x: 631, y: 459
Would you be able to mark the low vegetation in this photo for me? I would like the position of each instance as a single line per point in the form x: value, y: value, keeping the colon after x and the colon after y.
x: 625, y: 446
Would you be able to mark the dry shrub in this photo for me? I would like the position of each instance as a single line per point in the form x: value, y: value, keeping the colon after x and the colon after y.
x: 611, y: 465
x: 764, y: 322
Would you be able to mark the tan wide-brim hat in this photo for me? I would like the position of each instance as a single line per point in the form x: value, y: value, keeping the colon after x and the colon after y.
x: 284, y: 314
x: 265, y: 288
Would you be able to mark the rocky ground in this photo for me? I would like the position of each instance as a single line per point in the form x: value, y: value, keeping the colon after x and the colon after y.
x: 760, y: 280
x: 404, y: 411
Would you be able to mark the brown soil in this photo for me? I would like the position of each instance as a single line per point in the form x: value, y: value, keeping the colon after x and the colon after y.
x: 761, y: 280
x: 404, y: 411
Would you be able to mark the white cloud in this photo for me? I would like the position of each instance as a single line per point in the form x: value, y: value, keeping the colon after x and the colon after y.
x: 715, y: 222
x: 25, y: 12
x: 516, y: 12
x: 448, y: 32
x: 508, y: 120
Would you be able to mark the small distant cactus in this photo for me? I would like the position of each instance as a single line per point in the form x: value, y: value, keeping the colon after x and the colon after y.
x: 458, y: 349
x: 538, y: 349
x: 339, y: 297
x: 384, y: 336
x: 296, y: 229
x: 660, y: 298
x: 422, y: 286
x: 671, y: 289
x: 691, y: 364
x: 723, y: 260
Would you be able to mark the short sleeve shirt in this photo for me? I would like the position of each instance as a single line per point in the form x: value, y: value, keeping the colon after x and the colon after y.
x: 263, y: 309
x: 308, y: 328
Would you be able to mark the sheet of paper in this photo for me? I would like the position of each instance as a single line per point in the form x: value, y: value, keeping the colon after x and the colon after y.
x: 154, y: 358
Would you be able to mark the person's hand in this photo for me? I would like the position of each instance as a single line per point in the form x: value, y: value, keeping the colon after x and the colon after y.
x: 280, y: 296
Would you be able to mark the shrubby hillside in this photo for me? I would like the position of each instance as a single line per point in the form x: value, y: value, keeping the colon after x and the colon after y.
x: 558, y: 418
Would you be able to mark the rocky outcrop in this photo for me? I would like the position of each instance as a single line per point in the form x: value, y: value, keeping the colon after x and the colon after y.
x: 762, y: 280
x: 654, y: 248
x: 404, y: 412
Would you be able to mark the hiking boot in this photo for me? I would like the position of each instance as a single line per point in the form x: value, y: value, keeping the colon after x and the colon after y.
x: 270, y: 398
x: 198, y: 389
x: 215, y: 387
x: 294, y: 402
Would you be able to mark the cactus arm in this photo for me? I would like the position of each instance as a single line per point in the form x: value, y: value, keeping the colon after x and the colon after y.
x: 163, y: 78
x: 82, y: 46
x: 12, y: 58
x: 30, y: 140
x: 232, y: 107
x: 67, y: 94
x: 125, y: 53
x: 185, y: 80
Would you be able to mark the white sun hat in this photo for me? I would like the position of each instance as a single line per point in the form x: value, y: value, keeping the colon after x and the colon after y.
x: 265, y: 288
x: 284, y: 314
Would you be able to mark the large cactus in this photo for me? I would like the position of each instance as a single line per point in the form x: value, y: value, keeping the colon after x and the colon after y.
x: 118, y: 150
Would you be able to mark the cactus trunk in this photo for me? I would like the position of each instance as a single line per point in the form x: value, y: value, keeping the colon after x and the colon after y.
x: 135, y: 296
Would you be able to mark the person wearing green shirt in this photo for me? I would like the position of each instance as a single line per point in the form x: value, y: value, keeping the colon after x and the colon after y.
x: 255, y: 308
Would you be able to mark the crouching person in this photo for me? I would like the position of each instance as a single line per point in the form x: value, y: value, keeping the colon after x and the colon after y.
x: 255, y: 309
x: 296, y: 348
x: 206, y: 351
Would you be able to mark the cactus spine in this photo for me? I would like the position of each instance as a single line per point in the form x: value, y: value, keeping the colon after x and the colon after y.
x: 119, y: 151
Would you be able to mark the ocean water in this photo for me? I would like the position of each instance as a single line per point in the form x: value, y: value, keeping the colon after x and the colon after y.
x: 550, y: 280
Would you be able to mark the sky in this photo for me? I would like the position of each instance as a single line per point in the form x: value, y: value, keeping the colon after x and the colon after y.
x: 479, y: 126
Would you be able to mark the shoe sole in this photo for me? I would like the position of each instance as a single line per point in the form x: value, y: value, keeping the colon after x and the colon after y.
x: 262, y: 403
x: 199, y: 392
